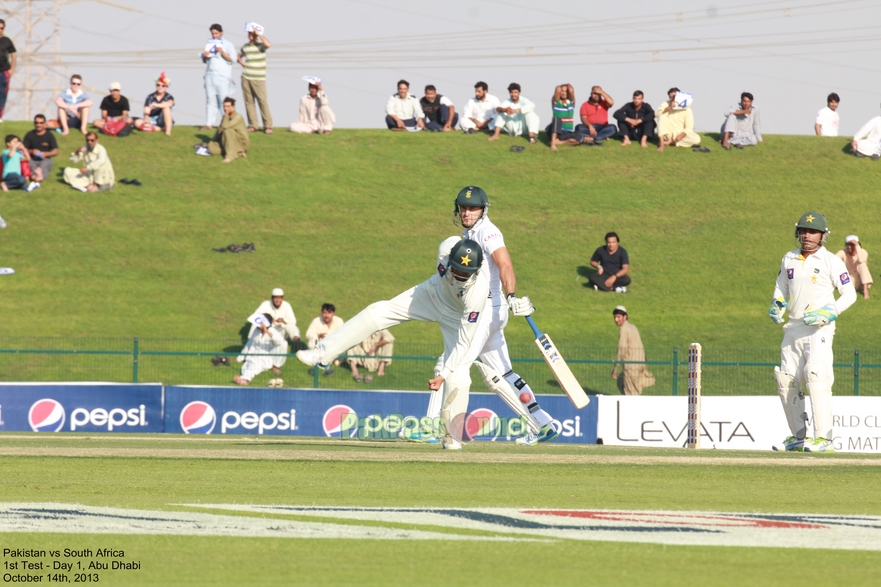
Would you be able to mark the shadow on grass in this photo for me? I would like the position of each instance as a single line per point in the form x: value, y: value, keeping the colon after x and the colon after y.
x: 586, y: 272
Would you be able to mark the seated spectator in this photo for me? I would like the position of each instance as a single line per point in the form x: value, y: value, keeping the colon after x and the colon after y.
x: 378, y: 348
x: 157, y: 108
x: 284, y: 320
x: 231, y: 139
x: 42, y: 146
x: 561, y: 130
x: 13, y: 155
x: 315, y: 115
x: 856, y: 259
x: 742, y: 127
x: 114, y: 107
x: 262, y: 342
x: 320, y: 327
x: 403, y: 111
x: 73, y: 107
x: 595, y: 116
x: 96, y: 174
x: 612, y: 265
x: 867, y: 141
x: 480, y: 111
x: 440, y: 113
x: 515, y: 115
x: 636, y: 121
x: 827, y: 121
x: 676, y: 125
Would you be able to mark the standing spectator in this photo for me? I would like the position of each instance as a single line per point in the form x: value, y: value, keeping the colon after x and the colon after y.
x: 562, y: 128
x: 114, y: 107
x: 42, y: 147
x: 480, y: 111
x: 315, y: 115
x: 13, y: 155
x: 378, y: 348
x: 403, y: 110
x: 231, y: 139
x: 217, y: 57
x: 157, y: 108
x: 320, y: 327
x: 252, y: 58
x: 636, y: 120
x: 96, y: 174
x: 8, y: 59
x: 515, y: 115
x: 676, y: 125
x: 827, y: 121
x: 856, y: 259
x: 612, y: 264
x: 742, y: 127
x: 73, y: 106
x: 634, y: 375
x: 867, y: 141
x: 595, y: 116
x: 440, y: 113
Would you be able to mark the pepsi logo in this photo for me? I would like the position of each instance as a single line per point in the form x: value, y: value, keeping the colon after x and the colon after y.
x: 340, y: 419
x: 482, y: 424
x: 198, y: 418
x: 46, y: 415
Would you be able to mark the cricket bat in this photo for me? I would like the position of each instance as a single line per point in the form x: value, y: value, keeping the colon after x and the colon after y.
x: 559, y: 367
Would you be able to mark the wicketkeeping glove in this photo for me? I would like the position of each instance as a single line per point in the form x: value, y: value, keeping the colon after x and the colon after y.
x: 778, y: 308
x: 520, y: 306
x: 821, y: 316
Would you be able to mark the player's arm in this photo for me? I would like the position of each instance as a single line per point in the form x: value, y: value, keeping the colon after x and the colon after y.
x: 506, y: 269
x: 847, y: 293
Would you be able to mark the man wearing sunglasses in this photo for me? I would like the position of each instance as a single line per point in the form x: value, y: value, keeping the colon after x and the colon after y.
x: 157, y: 108
x: 73, y: 107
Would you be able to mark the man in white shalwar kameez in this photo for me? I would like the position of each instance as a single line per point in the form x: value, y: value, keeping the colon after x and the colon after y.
x: 255, y: 356
x: 867, y: 141
x: 284, y: 320
x: 315, y: 115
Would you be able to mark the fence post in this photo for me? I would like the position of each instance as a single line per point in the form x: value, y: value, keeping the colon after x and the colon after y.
x: 856, y: 371
x: 675, y: 370
x: 135, y: 356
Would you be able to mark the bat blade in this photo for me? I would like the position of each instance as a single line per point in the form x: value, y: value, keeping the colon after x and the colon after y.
x: 561, y: 371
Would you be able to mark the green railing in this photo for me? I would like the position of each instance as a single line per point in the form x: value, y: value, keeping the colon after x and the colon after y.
x: 188, y: 361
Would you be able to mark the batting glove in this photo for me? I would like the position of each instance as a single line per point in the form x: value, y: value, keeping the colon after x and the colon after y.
x: 520, y: 306
x: 821, y: 316
x: 778, y: 308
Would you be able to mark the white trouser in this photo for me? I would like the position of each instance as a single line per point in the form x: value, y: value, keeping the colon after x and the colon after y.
x: 868, y: 148
x: 468, y: 124
x: 806, y: 363
x: 254, y: 366
x: 513, y: 124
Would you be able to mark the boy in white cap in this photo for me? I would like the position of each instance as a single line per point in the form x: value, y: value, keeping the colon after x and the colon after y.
x: 855, y: 258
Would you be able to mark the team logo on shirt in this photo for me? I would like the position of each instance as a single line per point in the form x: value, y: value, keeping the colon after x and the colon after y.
x: 790, y: 273
x: 441, y: 270
x: 472, y: 317
x: 845, y: 278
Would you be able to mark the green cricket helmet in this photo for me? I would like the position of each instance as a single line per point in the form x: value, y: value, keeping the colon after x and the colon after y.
x: 466, y: 258
x: 813, y: 221
x: 469, y: 196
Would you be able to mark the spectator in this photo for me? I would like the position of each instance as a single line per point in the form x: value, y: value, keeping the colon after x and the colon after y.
x: 8, y: 59
x: 634, y: 376
x: 114, y: 107
x: 284, y: 321
x: 262, y: 342
x: 827, y: 121
x: 378, y: 348
x: 13, y: 155
x: 676, y: 125
x: 231, y: 139
x: 42, y: 147
x: 217, y: 57
x: 157, y: 108
x: 73, y: 107
x: 612, y: 265
x: 403, y: 111
x: 440, y: 113
x: 480, y: 112
x: 252, y: 58
x: 562, y: 127
x: 636, y: 121
x: 742, y: 127
x: 595, y: 116
x: 515, y: 115
x: 96, y: 174
x: 320, y: 327
x: 867, y: 141
x: 856, y: 259
x: 315, y: 114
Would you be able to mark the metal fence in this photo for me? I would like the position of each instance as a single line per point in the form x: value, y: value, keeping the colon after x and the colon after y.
x: 188, y: 361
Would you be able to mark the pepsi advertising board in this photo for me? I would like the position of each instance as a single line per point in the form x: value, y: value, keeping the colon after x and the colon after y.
x: 368, y: 415
x: 86, y: 407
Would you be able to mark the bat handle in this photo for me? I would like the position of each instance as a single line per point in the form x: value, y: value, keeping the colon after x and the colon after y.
x: 532, y: 325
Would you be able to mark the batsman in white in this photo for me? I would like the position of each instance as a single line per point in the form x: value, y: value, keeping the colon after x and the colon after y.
x: 470, y: 212
x: 454, y: 297
x: 808, y: 277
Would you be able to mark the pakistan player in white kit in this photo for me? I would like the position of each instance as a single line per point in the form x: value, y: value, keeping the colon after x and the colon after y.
x: 454, y: 297
x: 806, y: 284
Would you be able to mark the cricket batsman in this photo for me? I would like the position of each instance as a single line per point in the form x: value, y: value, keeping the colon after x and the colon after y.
x: 808, y: 277
x: 454, y: 297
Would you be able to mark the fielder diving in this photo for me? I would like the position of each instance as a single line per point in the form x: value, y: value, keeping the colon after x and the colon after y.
x: 808, y: 277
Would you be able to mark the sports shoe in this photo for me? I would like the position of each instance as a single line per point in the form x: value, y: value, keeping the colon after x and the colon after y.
x: 416, y: 436
x: 792, y: 444
x: 313, y: 358
x: 32, y: 186
x: 819, y: 445
x: 203, y: 151
x: 621, y: 289
x: 451, y: 443
x: 545, y: 434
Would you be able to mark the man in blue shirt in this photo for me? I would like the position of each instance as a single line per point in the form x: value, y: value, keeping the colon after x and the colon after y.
x: 217, y: 56
x: 73, y: 107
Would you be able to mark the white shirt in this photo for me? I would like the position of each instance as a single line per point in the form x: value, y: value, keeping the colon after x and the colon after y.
x: 285, y: 312
x: 871, y: 131
x: 523, y: 105
x: 319, y: 327
x: 404, y: 108
x: 828, y: 121
x: 490, y: 239
x: 812, y: 282
x: 482, y: 109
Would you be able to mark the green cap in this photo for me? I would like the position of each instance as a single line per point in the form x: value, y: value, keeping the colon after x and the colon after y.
x: 466, y: 256
x: 472, y: 196
x: 813, y: 220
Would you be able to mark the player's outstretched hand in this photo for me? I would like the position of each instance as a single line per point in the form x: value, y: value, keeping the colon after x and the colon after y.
x: 520, y: 306
x: 820, y: 316
x: 778, y: 308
